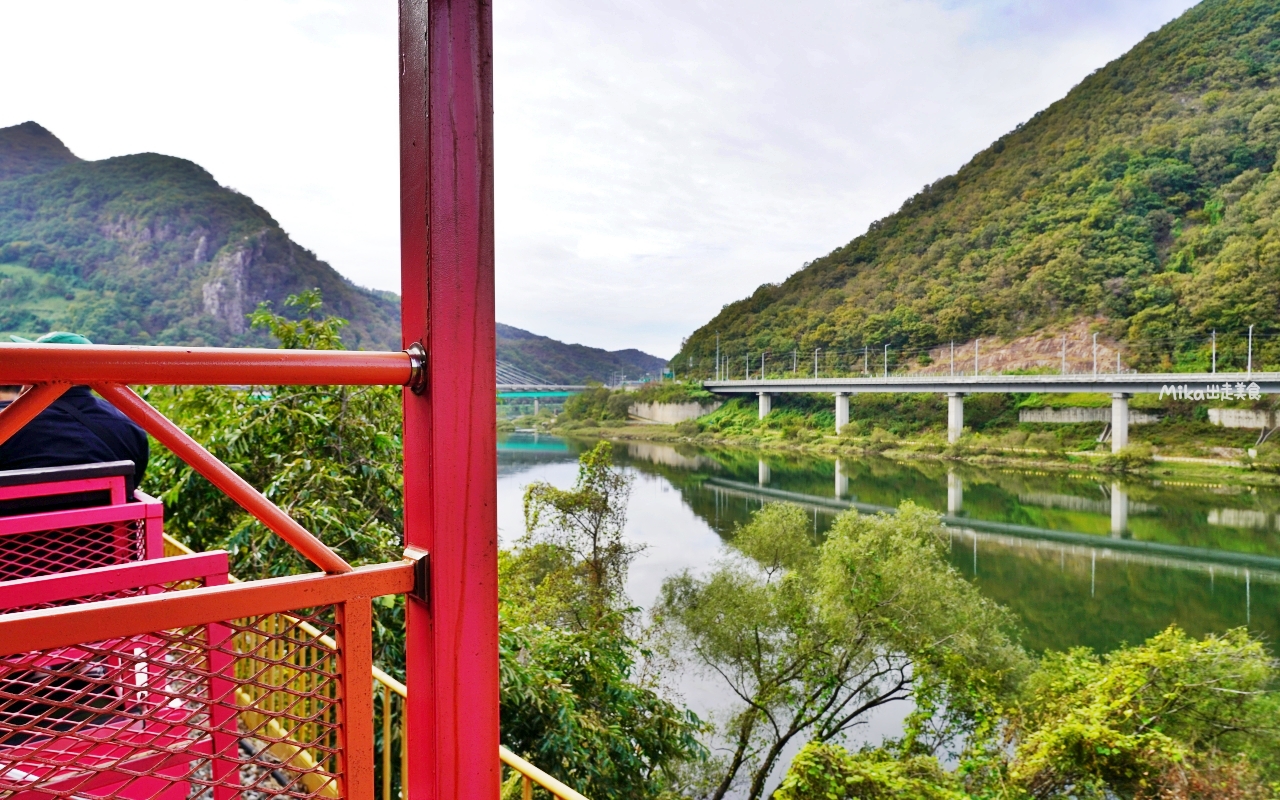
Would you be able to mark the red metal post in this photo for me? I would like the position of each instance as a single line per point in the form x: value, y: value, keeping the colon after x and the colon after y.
x: 355, y: 649
x: 450, y: 471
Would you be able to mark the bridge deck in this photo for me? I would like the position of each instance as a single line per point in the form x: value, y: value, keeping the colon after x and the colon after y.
x: 1135, y: 383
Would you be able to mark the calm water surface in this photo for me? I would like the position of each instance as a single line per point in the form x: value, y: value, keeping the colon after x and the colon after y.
x: 1081, y: 562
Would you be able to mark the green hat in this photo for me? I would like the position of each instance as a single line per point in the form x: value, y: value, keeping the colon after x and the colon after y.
x: 55, y: 337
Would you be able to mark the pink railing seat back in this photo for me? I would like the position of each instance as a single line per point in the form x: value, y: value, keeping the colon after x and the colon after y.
x: 63, y: 519
x: 134, y: 717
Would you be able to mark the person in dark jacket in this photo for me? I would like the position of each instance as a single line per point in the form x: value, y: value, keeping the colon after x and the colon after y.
x: 77, y: 428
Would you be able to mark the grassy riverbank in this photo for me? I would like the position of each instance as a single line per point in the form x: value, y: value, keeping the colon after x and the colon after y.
x: 1183, y: 444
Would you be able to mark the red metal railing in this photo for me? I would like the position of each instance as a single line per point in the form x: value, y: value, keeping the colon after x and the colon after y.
x: 199, y: 657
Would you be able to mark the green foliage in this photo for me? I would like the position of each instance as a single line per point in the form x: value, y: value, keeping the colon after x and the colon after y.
x: 572, y: 705
x: 583, y: 527
x: 1173, y: 717
x: 330, y: 456
x: 672, y: 392
x: 829, y: 772
x: 1146, y: 196
x: 571, y: 700
x: 1131, y: 456
x: 599, y: 405
x: 149, y: 249
x: 813, y: 637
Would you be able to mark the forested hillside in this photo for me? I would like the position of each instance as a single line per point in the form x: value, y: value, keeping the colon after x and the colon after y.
x: 150, y: 249
x: 1147, y: 197
x: 558, y: 362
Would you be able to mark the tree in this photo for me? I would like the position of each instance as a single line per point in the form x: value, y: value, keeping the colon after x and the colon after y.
x: 1173, y: 717
x: 829, y: 772
x: 580, y: 530
x: 329, y: 456
x: 574, y: 696
x: 811, y: 638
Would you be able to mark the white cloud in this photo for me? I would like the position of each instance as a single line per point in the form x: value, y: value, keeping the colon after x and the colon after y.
x: 655, y: 159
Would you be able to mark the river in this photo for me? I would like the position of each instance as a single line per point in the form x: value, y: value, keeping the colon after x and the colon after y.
x: 1081, y: 561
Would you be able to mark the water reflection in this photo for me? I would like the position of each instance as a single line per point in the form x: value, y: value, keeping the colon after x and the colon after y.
x: 1081, y: 562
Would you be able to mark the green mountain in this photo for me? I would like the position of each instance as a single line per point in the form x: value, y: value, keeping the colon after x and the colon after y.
x: 149, y: 249
x: 1146, y: 198
x: 557, y: 362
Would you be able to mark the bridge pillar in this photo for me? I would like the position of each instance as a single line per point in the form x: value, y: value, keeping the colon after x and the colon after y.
x: 955, y: 494
x: 842, y: 411
x: 955, y: 415
x: 1119, y: 511
x: 766, y: 404
x: 1119, y: 421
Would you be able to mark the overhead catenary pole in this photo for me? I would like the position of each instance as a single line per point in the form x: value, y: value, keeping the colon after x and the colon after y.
x: 975, y: 357
x: 866, y: 362
x: 450, y: 448
x: 1064, y: 354
x: 1214, y: 347
x: 815, y: 361
x: 886, y: 360
x: 953, y: 358
x: 1095, y: 355
x: 717, y: 356
x: 1250, y: 367
x: 795, y: 361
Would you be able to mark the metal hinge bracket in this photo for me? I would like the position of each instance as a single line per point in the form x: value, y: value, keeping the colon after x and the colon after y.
x: 421, y: 573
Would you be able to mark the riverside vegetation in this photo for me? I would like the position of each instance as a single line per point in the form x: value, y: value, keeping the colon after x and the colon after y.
x: 810, y: 635
x: 914, y: 426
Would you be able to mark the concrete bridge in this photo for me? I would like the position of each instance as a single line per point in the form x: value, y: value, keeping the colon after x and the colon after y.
x: 1121, y: 386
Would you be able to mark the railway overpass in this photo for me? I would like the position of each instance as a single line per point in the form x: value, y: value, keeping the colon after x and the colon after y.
x: 1121, y: 386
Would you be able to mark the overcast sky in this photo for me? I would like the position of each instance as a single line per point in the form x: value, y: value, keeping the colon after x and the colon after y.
x: 656, y: 159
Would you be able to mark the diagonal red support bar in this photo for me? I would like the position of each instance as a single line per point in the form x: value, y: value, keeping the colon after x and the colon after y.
x: 220, y: 475
x: 28, y: 406
x: 450, y: 464
x: 199, y: 366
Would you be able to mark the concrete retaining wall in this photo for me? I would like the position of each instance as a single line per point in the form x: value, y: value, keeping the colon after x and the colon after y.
x: 671, y: 413
x: 1241, y: 418
x: 1078, y: 414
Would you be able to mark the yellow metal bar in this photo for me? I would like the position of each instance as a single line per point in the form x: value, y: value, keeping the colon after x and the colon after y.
x: 386, y: 743
x: 539, y: 777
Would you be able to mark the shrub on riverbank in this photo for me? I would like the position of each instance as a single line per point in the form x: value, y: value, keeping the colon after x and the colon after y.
x: 1171, y: 718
